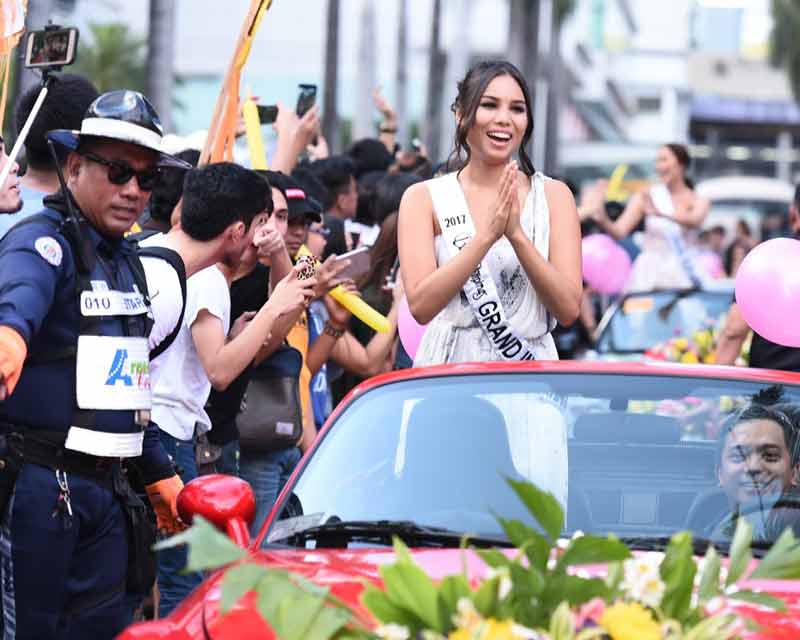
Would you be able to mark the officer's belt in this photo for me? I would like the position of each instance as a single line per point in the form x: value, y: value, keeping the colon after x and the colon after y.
x: 46, y: 448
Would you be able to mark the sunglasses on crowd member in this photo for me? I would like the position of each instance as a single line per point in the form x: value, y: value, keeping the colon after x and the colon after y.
x: 121, y: 173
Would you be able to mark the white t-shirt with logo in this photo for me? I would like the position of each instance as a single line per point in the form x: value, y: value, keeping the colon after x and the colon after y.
x: 179, y: 382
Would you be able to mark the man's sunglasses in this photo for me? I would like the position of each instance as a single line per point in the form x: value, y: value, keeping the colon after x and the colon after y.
x: 120, y: 173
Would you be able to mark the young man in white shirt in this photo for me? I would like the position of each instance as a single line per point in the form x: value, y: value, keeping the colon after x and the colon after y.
x: 222, y: 208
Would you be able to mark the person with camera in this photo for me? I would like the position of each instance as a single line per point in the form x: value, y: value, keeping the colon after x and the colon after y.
x: 224, y: 207
x: 74, y: 327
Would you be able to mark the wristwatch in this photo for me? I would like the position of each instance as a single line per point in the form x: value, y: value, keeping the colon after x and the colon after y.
x: 332, y: 331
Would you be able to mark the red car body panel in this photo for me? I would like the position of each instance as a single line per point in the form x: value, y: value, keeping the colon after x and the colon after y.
x: 345, y: 572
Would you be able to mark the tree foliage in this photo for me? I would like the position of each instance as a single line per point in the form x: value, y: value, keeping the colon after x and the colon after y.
x: 113, y: 59
x: 785, y: 41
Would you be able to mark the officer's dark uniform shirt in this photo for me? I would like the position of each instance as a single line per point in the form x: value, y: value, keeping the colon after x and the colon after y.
x: 38, y: 299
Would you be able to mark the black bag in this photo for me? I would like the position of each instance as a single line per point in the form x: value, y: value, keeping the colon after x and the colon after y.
x: 271, y: 418
x: 141, y: 575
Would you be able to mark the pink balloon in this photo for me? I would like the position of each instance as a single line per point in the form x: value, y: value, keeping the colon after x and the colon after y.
x: 768, y: 290
x: 711, y: 264
x: 606, y: 265
x: 410, y: 330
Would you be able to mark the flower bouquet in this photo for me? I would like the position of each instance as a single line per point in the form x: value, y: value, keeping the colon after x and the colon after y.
x: 698, y: 348
x: 584, y: 588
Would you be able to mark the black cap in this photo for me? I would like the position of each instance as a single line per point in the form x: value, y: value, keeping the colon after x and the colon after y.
x: 300, y: 205
x: 121, y: 115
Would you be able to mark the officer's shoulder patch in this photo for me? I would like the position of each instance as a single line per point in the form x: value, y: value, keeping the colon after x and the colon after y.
x: 49, y: 249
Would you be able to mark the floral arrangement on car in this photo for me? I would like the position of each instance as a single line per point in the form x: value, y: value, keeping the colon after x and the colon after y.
x: 547, y: 589
x: 698, y: 348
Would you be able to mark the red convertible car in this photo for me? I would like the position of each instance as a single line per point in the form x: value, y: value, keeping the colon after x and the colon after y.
x: 640, y: 450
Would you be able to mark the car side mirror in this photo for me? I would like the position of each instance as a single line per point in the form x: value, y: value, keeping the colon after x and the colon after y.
x: 225, y: 501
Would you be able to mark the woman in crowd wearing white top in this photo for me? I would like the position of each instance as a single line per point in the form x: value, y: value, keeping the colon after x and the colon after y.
x: 525, y: 239
x: 669, y: 208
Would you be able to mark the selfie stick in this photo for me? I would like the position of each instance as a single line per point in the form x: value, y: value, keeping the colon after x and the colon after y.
x: 355, y: 305
x: 12, y: 157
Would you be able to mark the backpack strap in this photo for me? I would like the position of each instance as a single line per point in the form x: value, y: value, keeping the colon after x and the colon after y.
x: 176, y: 262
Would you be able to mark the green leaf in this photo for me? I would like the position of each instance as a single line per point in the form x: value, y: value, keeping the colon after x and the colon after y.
x: 238, y: 581
x: 740, y: 555
x: 562, y: 623
x: 296, y: 614
x: 386, y: 611
x: 527, y: 582
x: 409, y: 587
x: 759, y: 598
x: 592, y: 550
x: 486, y: 599
x: 782, y: 562
x: 573, y: 589
x: 542, y: 505
x: 208, y: 548
x: 709, y: 580
x: 614, y: 577
x: 531, y: 542
x: 451, y: 590
x: 494, y: 558
x: 678, y: 569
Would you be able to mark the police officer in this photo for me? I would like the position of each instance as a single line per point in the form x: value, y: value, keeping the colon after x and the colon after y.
x: 74, y: 372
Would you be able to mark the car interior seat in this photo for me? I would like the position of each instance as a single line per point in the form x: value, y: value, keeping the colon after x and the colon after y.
x: 458, y: 456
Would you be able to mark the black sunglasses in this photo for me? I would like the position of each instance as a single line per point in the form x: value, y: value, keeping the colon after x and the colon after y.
x: 120, y: 173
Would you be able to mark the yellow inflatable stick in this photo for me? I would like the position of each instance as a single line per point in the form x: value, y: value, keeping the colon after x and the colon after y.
x: 614, y: 191
x: 355, y: 304
x: 255, y: 143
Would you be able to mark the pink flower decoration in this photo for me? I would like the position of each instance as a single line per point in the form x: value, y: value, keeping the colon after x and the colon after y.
x: 592, y: 611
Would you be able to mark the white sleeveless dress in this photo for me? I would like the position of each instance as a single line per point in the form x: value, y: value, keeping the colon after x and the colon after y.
x: 454, y: 335
x: 665, y: 260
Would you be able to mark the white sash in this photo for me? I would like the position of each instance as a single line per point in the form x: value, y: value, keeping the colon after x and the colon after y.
x: 457, y: 230
x: 662, y: 200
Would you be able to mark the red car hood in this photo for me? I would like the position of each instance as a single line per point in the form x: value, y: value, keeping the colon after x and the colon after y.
x: 346, y: 572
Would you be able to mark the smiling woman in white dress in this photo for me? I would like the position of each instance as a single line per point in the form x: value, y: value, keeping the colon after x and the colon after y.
x: 670, y: 207
x: 490, y: 255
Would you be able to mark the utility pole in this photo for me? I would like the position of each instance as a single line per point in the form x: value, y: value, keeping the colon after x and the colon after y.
x: 436, y: 66
x: 330, y: 115
x: 542, y: 91
x: 401, y: 78
x: 160, y: 56
x: 363, y: 121
x: 457, y: 67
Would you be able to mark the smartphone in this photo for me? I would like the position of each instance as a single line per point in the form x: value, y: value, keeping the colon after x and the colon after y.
x: 267, y: 114
x: 359, y: 263
x: 306, y: 98
x: 51, y: 48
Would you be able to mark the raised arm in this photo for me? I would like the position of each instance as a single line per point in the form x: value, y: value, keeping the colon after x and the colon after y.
x: 627, y: 221
x: 429, y: 288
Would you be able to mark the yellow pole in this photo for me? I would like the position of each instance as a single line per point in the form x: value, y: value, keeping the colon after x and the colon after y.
x: 255, y: 142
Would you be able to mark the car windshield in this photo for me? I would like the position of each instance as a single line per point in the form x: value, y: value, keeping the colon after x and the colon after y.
x: 642, y: 321
x: 639, y: 456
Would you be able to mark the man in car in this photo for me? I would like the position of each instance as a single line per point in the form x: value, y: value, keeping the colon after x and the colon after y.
x: 758, y: 469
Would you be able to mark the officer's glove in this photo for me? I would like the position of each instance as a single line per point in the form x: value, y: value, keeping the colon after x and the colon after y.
x: 12, y: 355
x: 164, y: 498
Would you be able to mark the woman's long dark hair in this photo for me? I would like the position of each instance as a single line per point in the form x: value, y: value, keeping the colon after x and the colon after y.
x: 681, y: 154
x: 470, y: 92
x: 383, y: 254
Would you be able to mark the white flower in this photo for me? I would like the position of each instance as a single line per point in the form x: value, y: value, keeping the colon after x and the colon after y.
x: 504, y: 583
x: 642, y: 579
x: 467, y: 617
x: 392, y: 632
x: 523, y: 633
